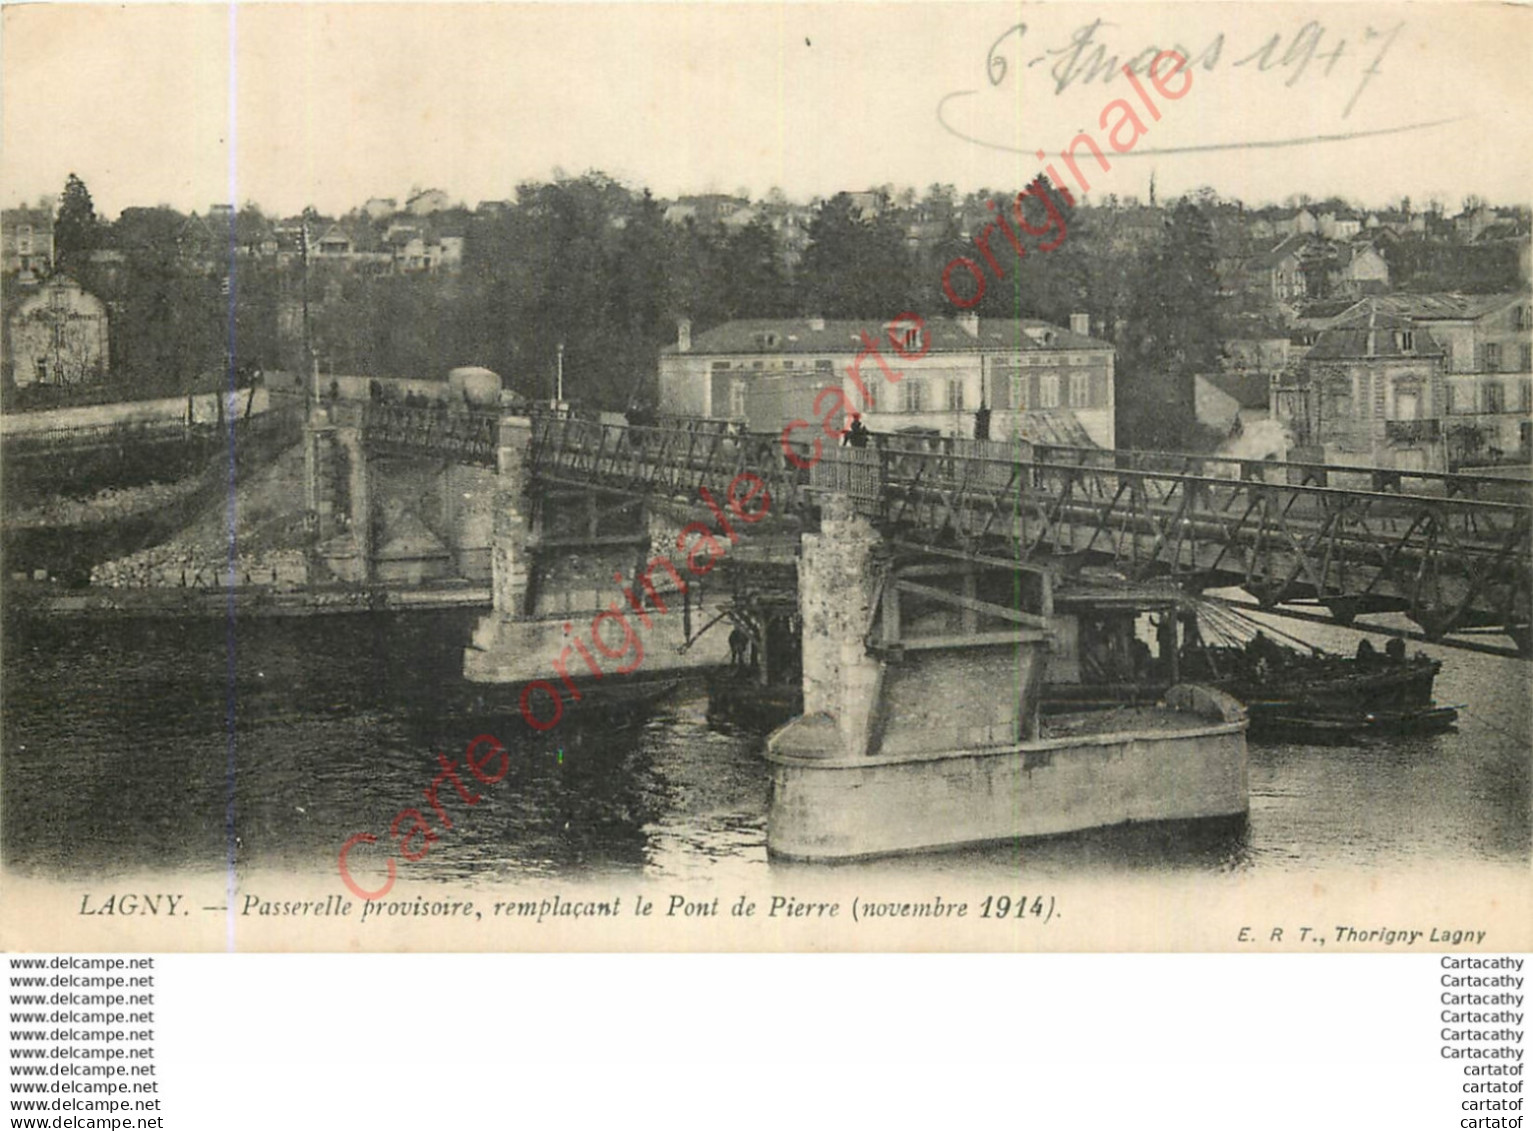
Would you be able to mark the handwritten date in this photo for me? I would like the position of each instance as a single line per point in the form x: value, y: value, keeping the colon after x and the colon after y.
x: 1087, y: 55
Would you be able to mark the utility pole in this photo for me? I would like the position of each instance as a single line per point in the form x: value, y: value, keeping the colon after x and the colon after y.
x: 310, y: 362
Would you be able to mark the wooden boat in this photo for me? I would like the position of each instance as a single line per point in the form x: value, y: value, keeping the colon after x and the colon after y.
x: 1333, y: 694
x: 1348, y: 727
x: 737, y: 701
x: 1290, y: 690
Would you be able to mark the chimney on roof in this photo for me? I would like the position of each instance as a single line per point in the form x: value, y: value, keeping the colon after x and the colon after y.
x: 683, y: 335
x: 1080, y: 323
x: 968, y: 322
x: 816, y: 323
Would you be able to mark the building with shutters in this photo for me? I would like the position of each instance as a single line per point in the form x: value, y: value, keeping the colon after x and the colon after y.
x: 1041, y: 382
x: 1486, y: 407
x: 1370, y: 392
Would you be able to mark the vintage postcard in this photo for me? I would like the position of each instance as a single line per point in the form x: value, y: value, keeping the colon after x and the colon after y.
x: 922, y: 476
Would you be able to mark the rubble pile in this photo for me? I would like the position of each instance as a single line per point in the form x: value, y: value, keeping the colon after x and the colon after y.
x: 104, y: 506
x: 270, y: 540
x: 173, y: 565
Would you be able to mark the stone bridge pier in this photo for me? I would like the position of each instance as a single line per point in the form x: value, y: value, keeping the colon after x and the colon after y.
x: 922, y: 672
x: 595, y: 596
x: 389, y: 516
x: 912, y: 656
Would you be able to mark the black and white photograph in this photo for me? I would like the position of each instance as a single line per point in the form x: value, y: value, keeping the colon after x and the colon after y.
x: 797, y: 477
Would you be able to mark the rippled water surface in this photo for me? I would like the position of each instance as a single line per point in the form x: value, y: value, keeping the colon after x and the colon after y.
x: 125, y: 749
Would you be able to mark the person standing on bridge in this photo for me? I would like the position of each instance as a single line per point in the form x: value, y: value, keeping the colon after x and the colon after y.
x: 739, y: 649
x: 857, y: 436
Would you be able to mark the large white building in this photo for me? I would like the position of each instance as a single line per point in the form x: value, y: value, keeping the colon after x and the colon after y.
x: 1041, y: 382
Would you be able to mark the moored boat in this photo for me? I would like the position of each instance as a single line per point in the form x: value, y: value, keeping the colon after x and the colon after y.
x: 1346, y: 727
x: 1290, y: 688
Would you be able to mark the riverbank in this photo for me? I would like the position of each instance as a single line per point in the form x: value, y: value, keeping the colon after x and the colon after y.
x: 34, y: 600
x: 67, y: 533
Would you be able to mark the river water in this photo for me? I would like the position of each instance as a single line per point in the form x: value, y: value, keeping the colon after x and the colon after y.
x: 125, y: 750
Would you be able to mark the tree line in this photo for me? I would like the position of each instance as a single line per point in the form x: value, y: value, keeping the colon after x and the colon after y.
x: 591, y: 265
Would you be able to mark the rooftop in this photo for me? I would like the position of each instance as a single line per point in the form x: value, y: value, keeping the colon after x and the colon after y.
x: 1370, y: 332
x: 1291, y: 245
x: 1250, y: 390
x: 1431, y: 307
x: 806, y: 336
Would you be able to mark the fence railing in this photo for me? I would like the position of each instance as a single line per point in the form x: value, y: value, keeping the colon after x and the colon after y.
x: 21, y: 445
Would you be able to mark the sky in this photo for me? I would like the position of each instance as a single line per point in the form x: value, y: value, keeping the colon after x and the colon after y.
x: 329, y: 104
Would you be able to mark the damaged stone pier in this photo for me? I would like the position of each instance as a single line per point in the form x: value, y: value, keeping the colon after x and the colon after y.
x: 565, y: 559
x: 920, y: 726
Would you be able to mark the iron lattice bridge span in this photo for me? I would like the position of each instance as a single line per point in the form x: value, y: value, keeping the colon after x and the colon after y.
x: 1454, y: 553
x: 430, y: 431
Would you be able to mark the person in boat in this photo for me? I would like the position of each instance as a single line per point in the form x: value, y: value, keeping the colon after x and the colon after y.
x: 1395, y: 650
x: 739, y: 648
x: 1366, y: 653
x: 1264, y: 650
x: 857, y: 435
x: 1140, y: 659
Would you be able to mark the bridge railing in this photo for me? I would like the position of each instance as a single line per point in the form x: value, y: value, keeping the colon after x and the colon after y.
x: 433, y: 430
x: 999, y: 481
x: 1294, y: 472
x: 892, y: 466
x: 674, y: 462
x: 1450, y: 560
x: 856, y: 473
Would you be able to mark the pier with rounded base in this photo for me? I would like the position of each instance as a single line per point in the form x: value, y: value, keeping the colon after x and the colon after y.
x: 1183, y: 761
